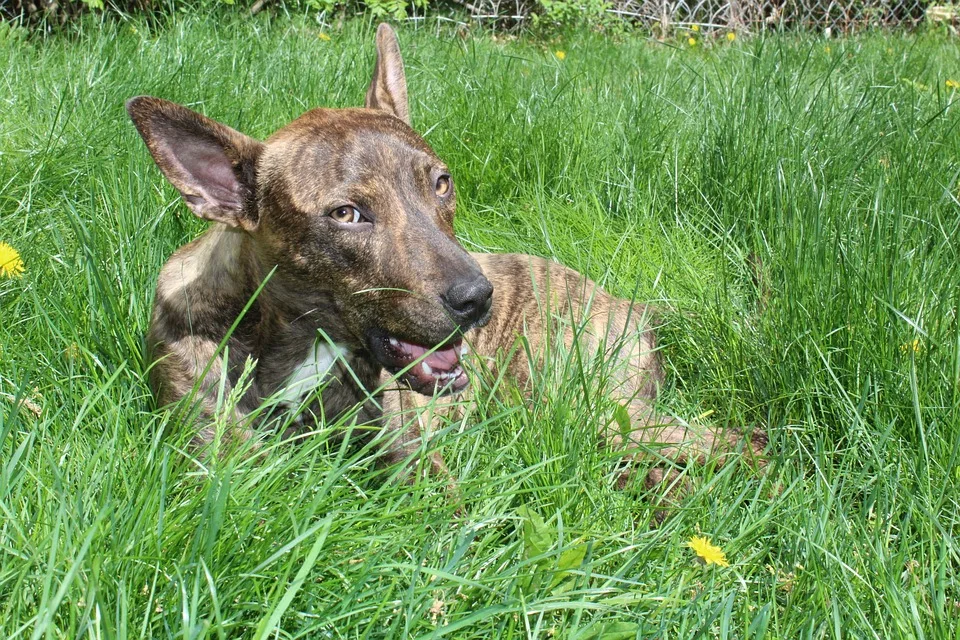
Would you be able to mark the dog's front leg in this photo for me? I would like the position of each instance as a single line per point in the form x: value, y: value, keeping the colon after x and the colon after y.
x: 408, y: 419
x: 190, y: 375
x: 676, y: 444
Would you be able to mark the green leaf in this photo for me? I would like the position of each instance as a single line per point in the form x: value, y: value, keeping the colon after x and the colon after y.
x: 538, y: 537
x: 570, y: 559
x: 622, y: 418
x: 609, y: 631
x: 758, y: 627
x: 516, y: 396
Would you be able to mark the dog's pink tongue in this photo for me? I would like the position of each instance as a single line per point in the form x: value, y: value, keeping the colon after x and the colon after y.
x: 445, y: 359
x: 437, y: 371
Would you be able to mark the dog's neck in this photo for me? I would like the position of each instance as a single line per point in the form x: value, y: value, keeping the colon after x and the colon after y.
x: 288, y: 322
x: 225, y: 259
x: 295, y: 339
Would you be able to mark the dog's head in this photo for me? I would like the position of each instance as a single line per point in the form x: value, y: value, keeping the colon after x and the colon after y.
x: 354, y: 211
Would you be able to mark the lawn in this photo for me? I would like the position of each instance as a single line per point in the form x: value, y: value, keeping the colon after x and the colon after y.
x: 660, y: 169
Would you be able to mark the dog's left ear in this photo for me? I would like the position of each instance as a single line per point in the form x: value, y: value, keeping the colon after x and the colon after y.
x: 388, y: 89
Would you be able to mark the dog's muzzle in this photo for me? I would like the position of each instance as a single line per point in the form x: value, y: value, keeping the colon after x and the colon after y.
x: 437, y: 369
x: 427, y: 370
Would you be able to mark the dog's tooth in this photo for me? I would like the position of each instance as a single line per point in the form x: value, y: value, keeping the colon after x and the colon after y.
x: 427, y: 369
x: 394, y: 342
x: 463, y: 350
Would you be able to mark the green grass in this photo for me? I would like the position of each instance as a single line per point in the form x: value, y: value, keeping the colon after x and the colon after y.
x: 654, y: 168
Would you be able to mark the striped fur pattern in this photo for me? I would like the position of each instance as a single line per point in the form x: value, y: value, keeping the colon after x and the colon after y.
x: 331, y: 251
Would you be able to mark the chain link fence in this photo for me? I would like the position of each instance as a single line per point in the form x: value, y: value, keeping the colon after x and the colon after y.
x: 837, y: 16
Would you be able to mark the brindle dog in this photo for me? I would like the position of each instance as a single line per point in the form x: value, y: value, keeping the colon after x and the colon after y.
x: 336, y: 236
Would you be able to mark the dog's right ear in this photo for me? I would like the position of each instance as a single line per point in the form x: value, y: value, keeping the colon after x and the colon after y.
x: 211, y: 165
x: 388, y: 89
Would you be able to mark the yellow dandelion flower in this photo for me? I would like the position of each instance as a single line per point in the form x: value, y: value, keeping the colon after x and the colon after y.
x: 731, y: 36
x: 707, y: 551
x: 953, y: 84
x: 914, y: 345
x: 692, y: 41
x: 560, y: 54
x: 827, y: 48
x: 323, y: 36
x: 695, y: 27
x: 11, y: 265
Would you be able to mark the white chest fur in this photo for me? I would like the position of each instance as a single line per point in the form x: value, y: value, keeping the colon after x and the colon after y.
x: 311, y: 373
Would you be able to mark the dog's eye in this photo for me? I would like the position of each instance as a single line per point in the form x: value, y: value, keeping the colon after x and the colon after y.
x: 346, y: 214
x: 443, y: 186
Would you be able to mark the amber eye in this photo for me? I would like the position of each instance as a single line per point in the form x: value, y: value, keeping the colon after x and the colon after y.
x: 443, y: 186
x: 346, y: 214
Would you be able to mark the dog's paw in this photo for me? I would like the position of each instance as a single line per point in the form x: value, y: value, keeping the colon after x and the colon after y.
x: 206, y: 444
x: 750, y: 446
x: 668, y: 485
x: 665, y: 487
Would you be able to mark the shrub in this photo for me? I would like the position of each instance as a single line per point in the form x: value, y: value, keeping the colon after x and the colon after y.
x: 542, y: 13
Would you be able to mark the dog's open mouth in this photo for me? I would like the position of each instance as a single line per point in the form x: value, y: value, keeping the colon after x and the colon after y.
x: 432, y: 370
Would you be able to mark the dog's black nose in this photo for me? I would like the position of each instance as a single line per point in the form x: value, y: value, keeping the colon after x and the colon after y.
x: 469, y: 301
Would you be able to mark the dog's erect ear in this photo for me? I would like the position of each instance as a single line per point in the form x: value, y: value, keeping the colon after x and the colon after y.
x: 211, y: 165
x: 388, y: 89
